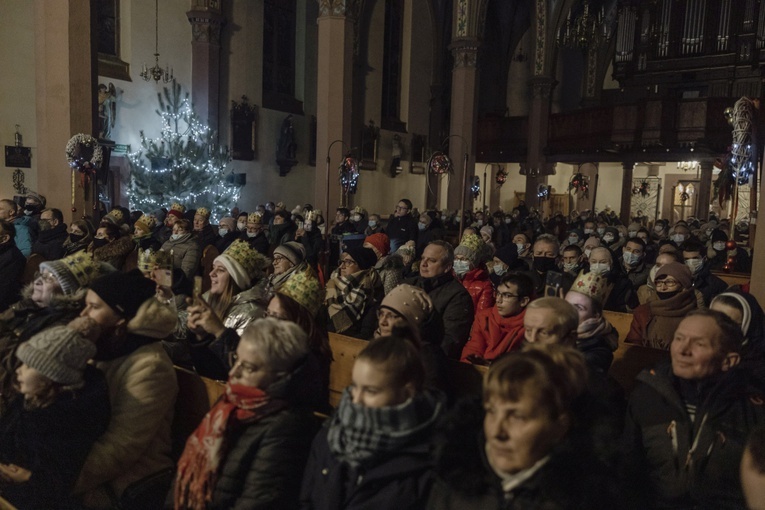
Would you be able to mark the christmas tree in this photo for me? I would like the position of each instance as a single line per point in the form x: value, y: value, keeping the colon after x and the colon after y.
x: 185, y: 164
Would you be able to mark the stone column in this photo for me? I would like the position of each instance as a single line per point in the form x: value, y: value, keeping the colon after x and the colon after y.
x: 206, y: 24
x: 333, y: 100
x: 627, y: 171
x: 539, y: 113
x: 757, y: 281
x: 704, y: 196
x: 464, y: 114
x: 65, y: 90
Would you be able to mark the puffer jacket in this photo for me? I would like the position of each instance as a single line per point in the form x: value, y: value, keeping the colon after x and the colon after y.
x: 493, y: 335
x: 186, y: 254
x: 142, y: 390
x: 26, y: 232
x: 478, y: 284
x: 684, y: 463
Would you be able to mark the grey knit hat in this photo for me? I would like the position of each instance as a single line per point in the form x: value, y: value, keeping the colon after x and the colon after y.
x: 58, y: 353
x: 75, y: 271
x: 292, y: 251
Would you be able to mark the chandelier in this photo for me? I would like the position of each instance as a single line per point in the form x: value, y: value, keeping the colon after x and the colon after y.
x: 688, y: 165
x: 156, y: 73
x: 585, y: 29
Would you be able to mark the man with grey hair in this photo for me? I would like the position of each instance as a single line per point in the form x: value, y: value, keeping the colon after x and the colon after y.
x: 450, y: 298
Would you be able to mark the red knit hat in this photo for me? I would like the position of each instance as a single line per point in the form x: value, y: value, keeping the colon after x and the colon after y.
x: 380, y: 241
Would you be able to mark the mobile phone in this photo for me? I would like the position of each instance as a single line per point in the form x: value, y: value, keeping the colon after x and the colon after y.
x: 197, y: 287
x: 553, y: 283
x: 163, y: 277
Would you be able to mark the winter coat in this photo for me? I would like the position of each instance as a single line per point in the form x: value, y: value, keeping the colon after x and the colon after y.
x: 638, y: 275
x: 53, y: 442
x: 21, y: 322
x: 455, y: 306
x: 258, y: 243
x: 12, y: 264
x: 343, y: 228
x: 477, y: 283
x: 186, y: 254
x: 400, y: 230
x: 654, y: 323
x: 427, y: 236
x: 280, y: 234
x: 72, y: 247
x: 206, y: 237
x: 147, y: 242
x: 708, y: 284
x: 493, y: 335
x: 26, y: 232
x: 402, y: 481
x: 684, y: 463
x: 313, y: 244
x: 391, y: 271
x: 621, y: 296
x: 225, y: 241
x: 50, y: 243
x: 114, y: 253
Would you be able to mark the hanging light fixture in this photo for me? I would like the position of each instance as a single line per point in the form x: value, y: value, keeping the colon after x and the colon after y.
x: 585, y: 29
x: 156, y: 73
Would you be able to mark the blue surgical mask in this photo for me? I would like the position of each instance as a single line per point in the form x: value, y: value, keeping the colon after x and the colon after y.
x: 175, y: 237
x: 499, y: 269
x: 631, y: 259
x: 373, y: 223
x: 422, y: 226
x: 600, y: 268
x: 461, y: 267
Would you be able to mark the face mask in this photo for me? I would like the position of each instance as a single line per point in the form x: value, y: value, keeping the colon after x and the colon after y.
x: 457, y: 219
x: 76, y: 238
x: 601, y: 231
x: 583, y: 217
x: 678, y: 238
x: 175, y: 237
x: 44, y: 225
x: 587, y: 252
x: 241, y: 226
x: 461, y: 267
x: 632, y: 233
x: 252, y: 234
x: 98, y: 243
x: 516, y: 216
x: 573, y: 240
x: 422, y: 226
x: 667, y: 295
x: 520, y: 247
x: 544, y: 264
x: 600, y: 268
x: 356, y: 218
x: 499, y: 269
x: 570, y: 267
x: 694, y: 265
x: 608, y: 239
x: 588, y: 231
x: 508, y: 221
x: 718, y: 245
x: 631, y: 259
x: 658, y: 229
x: 479, y: 222
x: 372, y: 223
x: 30, y: 209
x: 222, y: 231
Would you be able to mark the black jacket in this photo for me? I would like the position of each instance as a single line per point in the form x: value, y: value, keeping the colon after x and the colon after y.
x: 400, y: 482
x: 708, y: 284
x: 313, y: 244
x: 258, y: 243
x: 12, y: 263
x: 659, y: 438
x: 206, y: 237
x: 225, y: 241
x: 401, y: 229
x: 455, y: 306
x: 50, y: 243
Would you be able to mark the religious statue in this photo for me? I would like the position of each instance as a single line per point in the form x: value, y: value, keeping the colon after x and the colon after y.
x: 107, y: 110
x: 286, y: 150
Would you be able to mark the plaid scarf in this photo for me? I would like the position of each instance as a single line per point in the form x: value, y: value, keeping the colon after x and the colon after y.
x: 358, y: 434
x: 348, y: 298
x: 205, y: 450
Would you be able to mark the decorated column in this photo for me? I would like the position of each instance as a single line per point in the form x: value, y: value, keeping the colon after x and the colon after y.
x: 704, y: 195
x: 624, y: 212
x: 206, y: 23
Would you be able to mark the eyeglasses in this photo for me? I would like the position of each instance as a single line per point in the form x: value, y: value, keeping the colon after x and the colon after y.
x: 234, y: 362
x: 278, y: 258
x: 502, y: 296
x: 269, y: 313
x: 46, y: 277
x: 387, y: 314
x: 347, y: 262
x: 666, y: 283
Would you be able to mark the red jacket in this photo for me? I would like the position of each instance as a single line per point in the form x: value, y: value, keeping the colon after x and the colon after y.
x: 478, y: 285
x: 493, y: 335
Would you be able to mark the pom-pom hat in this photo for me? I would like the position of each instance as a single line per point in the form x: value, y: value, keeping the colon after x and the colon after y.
x: 411, y: 302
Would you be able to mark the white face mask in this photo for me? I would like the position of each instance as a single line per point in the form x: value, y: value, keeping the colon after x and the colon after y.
x: 588, y: 231
x: 678, y: 238
x: 508, y: 221
x: 520, y: 247
x: 569, y: 266
x: 632, y: 233
x: 479, y: 222
x: 422, y: 226
x: 608, y: 238
x: 694, y: 265
x: 718, y: 245
x: 573, y: 240
x: 499, y: 269
x: 461, y: 267
x: 631, y: 259
x: 600, y: 268
x: 241, y: 226
x: 222, y: 231
x: 587, y: 252
x: 601, y: 231
x: 373, y: 223
x: 251, y: 234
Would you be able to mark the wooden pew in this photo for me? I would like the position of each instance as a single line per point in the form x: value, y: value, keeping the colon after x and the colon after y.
x: 345, y: 350
x: 4, y: 505
x: 196, y: 395
x: 733, y: 278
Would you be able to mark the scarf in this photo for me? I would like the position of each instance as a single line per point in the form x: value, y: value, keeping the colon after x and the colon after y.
x: 277, y: 280
x: 358, y: 434
x: 594, y: 327
x: 205, y: 450
x: 348, y: 298
x: 666, y: 315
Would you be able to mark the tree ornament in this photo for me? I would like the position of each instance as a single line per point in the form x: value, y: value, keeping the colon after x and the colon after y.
x: 730, y: 244
x: 349, y: 174
x: 439, y: 164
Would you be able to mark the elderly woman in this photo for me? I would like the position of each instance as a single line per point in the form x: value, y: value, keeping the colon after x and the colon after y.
x: 620, y: 294
x: 353, y: 294
x: 526, y: 456
x: 687, y: 421
x: 184, y: 248
x: 250, y: 449
x: 54, y: 298
x: 288, y: 258
x: 375, y: 451
x: 470, y: 267
x: 654, y: 323
x: 80, y: 237
x: 218, y: 318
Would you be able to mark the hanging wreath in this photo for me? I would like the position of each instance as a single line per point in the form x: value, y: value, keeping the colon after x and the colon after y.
x: 580, y: 184
x: 475, y: 189
x: 543, y: 192
x: 349, y: 174
x: 439, y: 163
x: 684, y: 196
x: 642, y: 190
x: 84, y: 154
x: 501, y: 177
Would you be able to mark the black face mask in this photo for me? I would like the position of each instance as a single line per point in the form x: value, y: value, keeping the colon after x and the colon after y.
x: 98, y: 243
x: 544, y: 264
x: 667, y: 295
x: 30, y: 209
x: 76, y: 238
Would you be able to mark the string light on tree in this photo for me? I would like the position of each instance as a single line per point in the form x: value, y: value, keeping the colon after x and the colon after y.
x: 184, y: 164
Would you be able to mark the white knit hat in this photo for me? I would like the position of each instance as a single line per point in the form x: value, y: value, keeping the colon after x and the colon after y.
x: 58, y: 353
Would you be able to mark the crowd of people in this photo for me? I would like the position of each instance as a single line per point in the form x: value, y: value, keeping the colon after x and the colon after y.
x: 89, y: 351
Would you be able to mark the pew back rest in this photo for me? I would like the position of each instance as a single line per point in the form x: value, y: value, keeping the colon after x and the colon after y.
x: 31, y: 268
x: 345, y: 350
x: 196, y: 395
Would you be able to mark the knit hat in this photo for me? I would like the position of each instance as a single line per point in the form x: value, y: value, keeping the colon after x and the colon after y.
x: 149, y: 259
x: 364, y: 257
x: 472, y: 247
x: 254, y: 218
x: 590, y: 284
x: 678, y: 271
x: 304, y: 288
x: 204, y: 212
x: 58, y: 353
x: 488, y: 230
x: 177, y: 210
x: 508, y: 254
x: 38, y: 197
x: 411, y: 302
x: 115, y: 217
x: 380, y: 241
x: 75, y: 271
x: 124, y: 292
x: 292, y: 251
x: 146, y: 224
x: 719, y: 235
x: 243, y: 263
